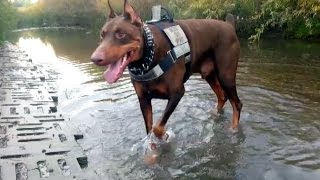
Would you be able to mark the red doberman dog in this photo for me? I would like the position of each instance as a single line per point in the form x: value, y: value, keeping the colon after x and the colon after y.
x: 214, y: 53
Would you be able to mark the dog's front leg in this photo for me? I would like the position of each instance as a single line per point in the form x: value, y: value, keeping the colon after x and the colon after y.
x: 145, y: 105
x: 146, y: 109
x: 173, y: 101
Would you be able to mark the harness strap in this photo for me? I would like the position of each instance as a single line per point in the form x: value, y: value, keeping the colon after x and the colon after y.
x: 166, y: 63
x: 180, y: 45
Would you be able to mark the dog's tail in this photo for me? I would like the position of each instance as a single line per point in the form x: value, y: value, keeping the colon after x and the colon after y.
x: 231, y: 20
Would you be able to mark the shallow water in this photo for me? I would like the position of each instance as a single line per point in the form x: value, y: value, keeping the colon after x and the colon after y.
x: 278, y: 83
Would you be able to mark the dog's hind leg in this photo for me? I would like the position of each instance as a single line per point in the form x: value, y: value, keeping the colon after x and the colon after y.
x: 208, y: 73
x: 226, y: 68
x: 231, y: 92
x: 216, y: 87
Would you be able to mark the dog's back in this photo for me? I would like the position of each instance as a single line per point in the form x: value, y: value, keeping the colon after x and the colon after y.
x: 211, y: 35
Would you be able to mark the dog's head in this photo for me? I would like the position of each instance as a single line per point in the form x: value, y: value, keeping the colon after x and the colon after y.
x: 121, y: 42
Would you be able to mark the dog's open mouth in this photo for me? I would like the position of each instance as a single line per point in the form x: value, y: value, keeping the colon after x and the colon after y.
x: 115, y: 70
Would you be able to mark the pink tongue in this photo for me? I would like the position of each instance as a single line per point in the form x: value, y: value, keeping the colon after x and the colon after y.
x: 114, y: 71
x: 111, y: 74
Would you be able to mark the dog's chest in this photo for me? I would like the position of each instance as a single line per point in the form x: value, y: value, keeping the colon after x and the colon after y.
x: 156, y: 89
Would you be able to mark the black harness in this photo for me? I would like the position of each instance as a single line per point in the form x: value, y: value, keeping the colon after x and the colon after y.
x: 142, y: 70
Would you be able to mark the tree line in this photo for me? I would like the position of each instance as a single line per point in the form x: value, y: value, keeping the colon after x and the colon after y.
x: 255, y: 18
x: 298, y: 19
x: 7, y: 18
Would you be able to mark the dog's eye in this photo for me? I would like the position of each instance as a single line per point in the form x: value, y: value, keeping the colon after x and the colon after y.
x: 120, y: 35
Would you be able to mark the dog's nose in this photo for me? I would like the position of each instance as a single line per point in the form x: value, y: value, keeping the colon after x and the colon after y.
x: 96, y: 60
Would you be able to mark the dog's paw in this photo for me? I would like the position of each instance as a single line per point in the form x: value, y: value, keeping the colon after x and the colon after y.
x: 153, y: 143
x: 234, y: 130
x: 154, y: 147
x: 218, y: 111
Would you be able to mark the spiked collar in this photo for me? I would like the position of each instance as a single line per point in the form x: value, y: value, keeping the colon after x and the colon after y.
x: 143, y: 65
x: 142, y: 69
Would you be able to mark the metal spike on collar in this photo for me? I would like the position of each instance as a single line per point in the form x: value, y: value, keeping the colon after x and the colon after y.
x: 144, y: 66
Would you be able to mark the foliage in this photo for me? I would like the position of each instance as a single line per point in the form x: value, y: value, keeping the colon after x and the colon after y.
x: 255, y: 18
x: 217, y: 9
x: 292, y: 18
x: 296, y: 18
x: 144, y: 7
x: 203, y: 8
x: 7, y: 18
x: 58, y: 13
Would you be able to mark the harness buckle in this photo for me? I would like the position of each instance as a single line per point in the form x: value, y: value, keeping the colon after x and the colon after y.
x: 171, y: 56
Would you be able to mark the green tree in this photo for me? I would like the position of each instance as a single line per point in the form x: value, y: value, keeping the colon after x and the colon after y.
x: 290, y: 18
x: 255, y: 18
x: 295, y: 18
x: 7, y: 18
x: 58, y: 13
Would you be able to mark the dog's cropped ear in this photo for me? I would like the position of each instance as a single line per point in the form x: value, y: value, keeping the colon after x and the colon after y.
x: 112, y: 14
x: 131, y: 14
